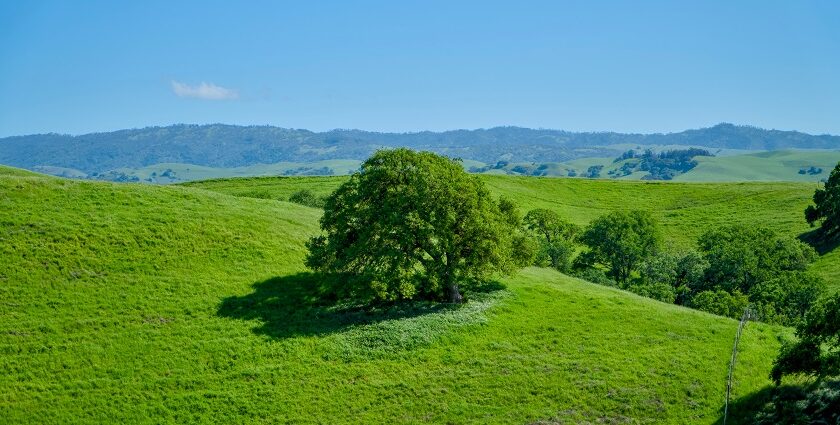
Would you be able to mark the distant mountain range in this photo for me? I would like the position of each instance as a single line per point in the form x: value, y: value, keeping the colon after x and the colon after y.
x: 228, y: 146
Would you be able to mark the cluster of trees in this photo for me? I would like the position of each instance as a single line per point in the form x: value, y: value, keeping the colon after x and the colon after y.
x: 415, y: 225
x: 731, y: 268
x: 659, y: 166
x: 815, y: 353
x: 309, y: 171
x: 593, y: 172
x: 816, y: 350
x: 811, y: 170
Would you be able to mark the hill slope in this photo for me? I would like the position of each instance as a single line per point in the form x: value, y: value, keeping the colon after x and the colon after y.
x: 131, y: 303
x: 685, y: 210
x: 764, y: 166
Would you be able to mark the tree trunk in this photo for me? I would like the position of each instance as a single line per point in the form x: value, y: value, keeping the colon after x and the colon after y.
x: 454, y: 294
x: 451, y: 285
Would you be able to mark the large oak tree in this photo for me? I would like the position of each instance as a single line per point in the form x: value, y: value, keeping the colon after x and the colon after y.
x: 415, y: 224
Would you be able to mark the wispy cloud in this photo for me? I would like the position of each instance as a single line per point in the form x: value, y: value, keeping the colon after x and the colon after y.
x: 204, y: 91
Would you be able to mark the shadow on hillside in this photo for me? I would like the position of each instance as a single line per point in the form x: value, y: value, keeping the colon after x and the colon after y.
x: 315, y: 304
x: 817, y: 239
x: 743, y: 410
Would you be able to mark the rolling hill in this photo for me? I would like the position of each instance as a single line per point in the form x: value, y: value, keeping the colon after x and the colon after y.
x: 209, y: 151
x: 786, y: 165
x: 138, y: 303
x: 685, y: 210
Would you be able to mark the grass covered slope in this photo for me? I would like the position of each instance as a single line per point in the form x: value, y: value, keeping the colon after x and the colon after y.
x: 763, y: 166
x: 685, y: 210
x: 133, y: 303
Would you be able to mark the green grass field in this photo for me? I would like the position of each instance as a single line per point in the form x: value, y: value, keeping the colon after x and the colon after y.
x: 763, y: 166
x: 133, y: 303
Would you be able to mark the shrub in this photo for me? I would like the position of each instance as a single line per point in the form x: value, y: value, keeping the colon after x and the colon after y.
x: 658, y: 291
x: 308, y: 198
x: 721, y: 303
x: 683, y: 271
x: 594, y: 275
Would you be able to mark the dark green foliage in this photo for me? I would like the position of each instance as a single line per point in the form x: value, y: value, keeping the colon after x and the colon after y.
x: 816, y: 352
x: 662, y: 166
x: 593, y: 172
x: 621, y: 241
x: 811, y: 170
x: 683, y: 271
x: 740, y: 257
x: 556, y: 237
x: 767, y: 268
x: 786, y: 298
x: 815, y: 404
x: 666, y: 165
x: 826, y: 208
x: 308, y: 198
x: 656, y: 290
x: 721, y: 303
x: 414, y: 224
x: 593, y: 275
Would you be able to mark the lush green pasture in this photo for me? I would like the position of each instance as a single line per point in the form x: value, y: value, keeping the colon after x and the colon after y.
x: 685, y: 210
x: 763, y: 166
x: 132, y: 303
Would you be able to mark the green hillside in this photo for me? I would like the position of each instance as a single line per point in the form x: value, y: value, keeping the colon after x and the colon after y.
x: 685, y: 210
x: 763, y: 166
x: 135, y: 303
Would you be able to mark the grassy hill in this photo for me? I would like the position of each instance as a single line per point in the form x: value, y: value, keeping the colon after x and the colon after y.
x: 685, y: 210
x: 134, y: 303
x: 763, y: 166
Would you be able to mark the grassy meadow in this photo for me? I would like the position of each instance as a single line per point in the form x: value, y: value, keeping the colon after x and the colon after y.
x: 763, y: 166
x: 685, y: 210
x: 133, y: 303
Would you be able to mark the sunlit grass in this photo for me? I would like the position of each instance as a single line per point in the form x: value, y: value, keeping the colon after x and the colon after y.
x: 124, y: 303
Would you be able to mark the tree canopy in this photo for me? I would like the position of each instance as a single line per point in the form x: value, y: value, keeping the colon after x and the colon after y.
x: 415, y: 224
x: 622, y: 241
x: 817, y: 350
x: 556, y: 237
x: 740, y: 257
x: 826, y: 206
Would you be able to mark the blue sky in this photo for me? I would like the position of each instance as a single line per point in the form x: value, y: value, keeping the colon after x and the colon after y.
x: 640, y: 66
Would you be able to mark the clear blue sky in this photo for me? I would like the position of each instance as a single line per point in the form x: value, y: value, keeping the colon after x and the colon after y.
x: 639, y: 66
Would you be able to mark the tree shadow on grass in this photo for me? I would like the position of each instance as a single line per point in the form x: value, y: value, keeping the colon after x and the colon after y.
x: 316, y: 304
x: 743, y: 410
x: 817, y: 239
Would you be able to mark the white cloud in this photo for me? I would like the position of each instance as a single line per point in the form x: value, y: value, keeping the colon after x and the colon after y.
x: 204, y: 91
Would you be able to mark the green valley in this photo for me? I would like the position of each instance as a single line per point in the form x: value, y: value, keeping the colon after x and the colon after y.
x: 123, y: 302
